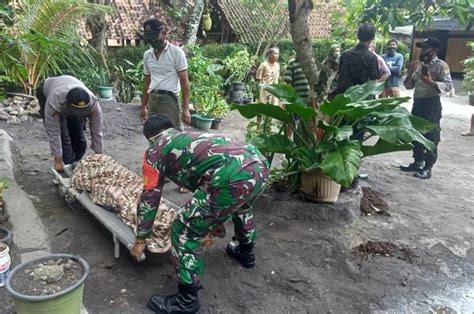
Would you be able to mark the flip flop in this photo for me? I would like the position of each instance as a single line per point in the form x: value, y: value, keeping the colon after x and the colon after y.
x: 467, y: 134
x: 183, y: 190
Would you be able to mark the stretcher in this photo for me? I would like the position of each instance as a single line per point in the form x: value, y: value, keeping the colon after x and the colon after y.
x: 121, y: 233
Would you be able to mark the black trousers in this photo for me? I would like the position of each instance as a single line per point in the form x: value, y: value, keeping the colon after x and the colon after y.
x: 429, y: 109
x: 73, y: 141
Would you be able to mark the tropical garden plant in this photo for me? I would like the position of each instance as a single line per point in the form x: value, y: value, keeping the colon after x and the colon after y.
x: 468, y: 80
x: 238, y: 65
x: 43, y: 36
x: 333, y: 146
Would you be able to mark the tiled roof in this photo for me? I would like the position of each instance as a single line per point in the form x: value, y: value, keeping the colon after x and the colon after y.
x: 128, y: 18
x: 242, y: 20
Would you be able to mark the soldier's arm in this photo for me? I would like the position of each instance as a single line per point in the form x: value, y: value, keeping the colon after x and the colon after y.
x: 149, y: 200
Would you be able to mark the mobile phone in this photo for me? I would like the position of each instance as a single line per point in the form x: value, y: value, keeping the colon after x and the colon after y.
x: 424, y: 69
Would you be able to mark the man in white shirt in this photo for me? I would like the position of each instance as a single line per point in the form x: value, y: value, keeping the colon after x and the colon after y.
x: 166, y: 74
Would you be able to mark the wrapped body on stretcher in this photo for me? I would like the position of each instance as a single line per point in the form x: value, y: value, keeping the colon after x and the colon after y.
x: 111, y: 185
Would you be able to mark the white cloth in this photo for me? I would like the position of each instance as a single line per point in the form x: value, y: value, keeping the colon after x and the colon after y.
x: 164, y: 71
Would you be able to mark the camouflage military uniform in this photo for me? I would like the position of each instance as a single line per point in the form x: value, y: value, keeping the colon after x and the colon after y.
x: 225, y: 176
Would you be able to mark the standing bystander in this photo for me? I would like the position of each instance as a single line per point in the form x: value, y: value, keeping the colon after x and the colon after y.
x: 166, y: 73
x: 394, y: 61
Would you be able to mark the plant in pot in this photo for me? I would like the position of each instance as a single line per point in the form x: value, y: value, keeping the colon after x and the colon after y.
x: 104, y: 82
x: 279, y: 182
x: 220, y: 111
x: 136, y: 79
x: 238, y: 66
x: 333, y: 158
x: 468, y: 80
x: 204, y: 111
x: 4, y: 183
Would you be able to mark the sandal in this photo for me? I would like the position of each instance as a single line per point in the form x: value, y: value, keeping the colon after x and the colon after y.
x: 468, y: 133
x: 183, y: 190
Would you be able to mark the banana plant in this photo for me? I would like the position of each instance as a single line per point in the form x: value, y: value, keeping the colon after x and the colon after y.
x: 339, y: 149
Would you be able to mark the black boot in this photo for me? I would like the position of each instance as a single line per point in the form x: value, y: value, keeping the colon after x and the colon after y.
x: 185, y: 301
x: 423, y: 174
x: 414, y: 166
x: 244, y: 253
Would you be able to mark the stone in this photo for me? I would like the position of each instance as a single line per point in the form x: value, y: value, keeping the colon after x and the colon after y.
x: 4, y: 115
x: 13, y: 112
x: 21, y: 111
x: 49, y: 273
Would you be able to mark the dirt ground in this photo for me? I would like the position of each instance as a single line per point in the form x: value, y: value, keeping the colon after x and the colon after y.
x: 302, y: 267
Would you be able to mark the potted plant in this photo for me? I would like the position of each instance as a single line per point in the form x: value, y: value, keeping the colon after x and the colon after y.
x: 50, y: 284
x: 4, y: 183
x: 104, y: 87
x: 204, y: 112
x: 280, y: 184
x: 238, y: 65
x: 336, y: 153
x: 468, y: 80
x: 219, y: 112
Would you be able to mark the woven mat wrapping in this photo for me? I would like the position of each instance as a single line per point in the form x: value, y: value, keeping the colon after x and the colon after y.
x: 111, y: 184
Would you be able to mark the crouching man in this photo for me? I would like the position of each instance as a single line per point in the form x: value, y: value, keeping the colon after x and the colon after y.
x: 225, y: 177
x: 65, y: 103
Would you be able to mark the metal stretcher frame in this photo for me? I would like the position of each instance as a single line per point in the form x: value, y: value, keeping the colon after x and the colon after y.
x: 120, y: 231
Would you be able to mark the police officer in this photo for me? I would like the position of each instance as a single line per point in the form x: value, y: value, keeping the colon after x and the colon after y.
x: 65, y: 103
x: 430, y: 77
x: 225, y: 177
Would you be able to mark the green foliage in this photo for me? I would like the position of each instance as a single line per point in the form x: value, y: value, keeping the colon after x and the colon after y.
x: 4, y: 183
x: 206, y: 84
x: 43, y: 36
x: 133, y: 54
x: 468, y: 80
x: 337, y: 152
x: 238, y: 65
x: 385, y: 14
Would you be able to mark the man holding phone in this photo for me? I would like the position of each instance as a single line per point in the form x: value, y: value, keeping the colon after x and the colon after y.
x: 429, y: 77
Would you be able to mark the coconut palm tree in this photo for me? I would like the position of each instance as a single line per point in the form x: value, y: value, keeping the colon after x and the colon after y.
x: 46, y: 36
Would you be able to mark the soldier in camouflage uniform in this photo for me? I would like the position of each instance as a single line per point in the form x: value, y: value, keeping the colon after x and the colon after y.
x: 225, y: 177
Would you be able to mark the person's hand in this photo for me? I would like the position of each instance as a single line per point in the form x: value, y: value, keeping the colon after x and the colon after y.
x: 412, y: 67
x: 427, y: 79
x: 186, y: 117
x: 58, y: 164
x: 143, y: 114
x: 137, y: 250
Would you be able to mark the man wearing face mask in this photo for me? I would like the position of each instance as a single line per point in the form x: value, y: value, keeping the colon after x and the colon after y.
x: 430, y: 78
x: 394, y: 60
x: 166, y: 73
x: 65, y: 103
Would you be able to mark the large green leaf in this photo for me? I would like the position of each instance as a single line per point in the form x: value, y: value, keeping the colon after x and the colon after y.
x: 303, y: 112
x: 382, y: 147
x: 339, y: 103
x: 363, y: 108
x: 252, y: 110
x: 342, y: 164
x: 399, y: 130
x: 274, y: 143
x: 361, y: 92
x: 344, y: 133
x: 284, y: 92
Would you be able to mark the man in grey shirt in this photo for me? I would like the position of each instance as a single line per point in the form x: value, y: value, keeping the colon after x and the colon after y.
x: 430, y: 78
x: 65, y: 103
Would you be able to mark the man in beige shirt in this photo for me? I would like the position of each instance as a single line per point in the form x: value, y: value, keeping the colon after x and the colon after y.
x: 269, y: 73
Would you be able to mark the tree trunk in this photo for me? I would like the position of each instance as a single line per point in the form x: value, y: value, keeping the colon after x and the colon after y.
x: 299, y: 29
x: 97, y: 25
x: 193, y: 23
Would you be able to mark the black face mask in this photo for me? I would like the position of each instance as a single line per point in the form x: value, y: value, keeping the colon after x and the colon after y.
x: 391, y: 51
x: 427, y: 56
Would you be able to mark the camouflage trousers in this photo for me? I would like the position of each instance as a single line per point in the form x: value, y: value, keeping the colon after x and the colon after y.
x: 211, y: 206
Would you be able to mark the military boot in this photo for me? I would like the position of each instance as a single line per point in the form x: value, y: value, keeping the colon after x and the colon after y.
x: 414, y: 166
x: 244, y: 253
x: 185, y: 301
x: 424, y: 174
